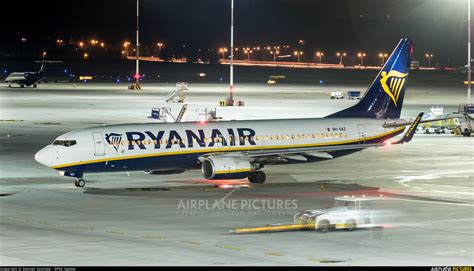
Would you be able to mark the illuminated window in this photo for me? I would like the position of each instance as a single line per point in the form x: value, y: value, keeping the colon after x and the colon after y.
x: 271, y: 137
x: 293, y: 137
x: 287, y: 137
x: 277, y: 137
x: 303, y: 136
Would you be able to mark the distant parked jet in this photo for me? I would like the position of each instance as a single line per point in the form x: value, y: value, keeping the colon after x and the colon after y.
x: 29, y: 78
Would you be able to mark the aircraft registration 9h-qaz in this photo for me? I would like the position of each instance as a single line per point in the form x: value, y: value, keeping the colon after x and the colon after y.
x: 240, y: 149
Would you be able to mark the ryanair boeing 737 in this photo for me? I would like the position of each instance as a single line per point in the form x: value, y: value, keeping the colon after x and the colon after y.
x: 241, y: 149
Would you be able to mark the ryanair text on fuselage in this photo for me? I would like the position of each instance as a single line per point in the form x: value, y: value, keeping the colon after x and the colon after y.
x: 240, y: 136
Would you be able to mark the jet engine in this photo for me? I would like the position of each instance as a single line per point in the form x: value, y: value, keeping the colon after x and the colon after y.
x: 219, y: 167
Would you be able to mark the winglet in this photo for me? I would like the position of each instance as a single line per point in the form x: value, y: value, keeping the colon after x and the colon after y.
x: 411, y: 131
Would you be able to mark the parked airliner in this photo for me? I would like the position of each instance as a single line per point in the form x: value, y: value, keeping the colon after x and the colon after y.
x: 240, y: 149
x: 29, y: 78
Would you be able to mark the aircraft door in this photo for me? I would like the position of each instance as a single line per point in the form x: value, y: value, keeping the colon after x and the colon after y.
x: 362, y: 133
x: 99, y: 145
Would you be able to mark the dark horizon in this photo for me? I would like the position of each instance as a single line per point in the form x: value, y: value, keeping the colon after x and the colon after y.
x: 437, y: 26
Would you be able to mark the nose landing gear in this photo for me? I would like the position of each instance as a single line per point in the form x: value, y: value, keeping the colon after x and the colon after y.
x: 80, y: 183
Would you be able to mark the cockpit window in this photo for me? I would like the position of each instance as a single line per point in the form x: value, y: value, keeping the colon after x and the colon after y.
x: 66, y: 143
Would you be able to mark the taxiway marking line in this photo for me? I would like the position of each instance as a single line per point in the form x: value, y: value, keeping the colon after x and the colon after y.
x: 447, y: 220
x: 84, y: 228
x: 274, y: 254
x: 115, y: 232
x: 434, y: 202
x: 153, y: 237
x: 190, y: 242
x: 231, y: 248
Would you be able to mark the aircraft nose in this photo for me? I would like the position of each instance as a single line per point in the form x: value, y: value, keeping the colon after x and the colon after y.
x: 45, y: 157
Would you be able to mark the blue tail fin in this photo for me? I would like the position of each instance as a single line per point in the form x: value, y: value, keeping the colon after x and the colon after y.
x: 384, y: 98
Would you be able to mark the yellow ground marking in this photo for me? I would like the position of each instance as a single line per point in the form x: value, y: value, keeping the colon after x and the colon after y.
x: 17, y: 220
x: 231, y: 248
x: 190, y: 242
x: 115, y: 232
x: 153, y: 237
x: 274, y: 254
x: 83, y: 228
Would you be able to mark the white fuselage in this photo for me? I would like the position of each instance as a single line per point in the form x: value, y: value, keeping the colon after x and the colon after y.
x: 168, y: 146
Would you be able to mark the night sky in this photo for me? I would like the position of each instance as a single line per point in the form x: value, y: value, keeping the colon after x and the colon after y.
x: 437, y: 26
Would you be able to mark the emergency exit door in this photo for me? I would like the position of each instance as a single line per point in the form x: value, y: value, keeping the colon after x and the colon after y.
x: 362, y: 133
x: 99, y: 145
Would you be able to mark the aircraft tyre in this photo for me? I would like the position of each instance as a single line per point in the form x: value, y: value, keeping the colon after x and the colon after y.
x: 323, y: 226
x: 257, y: 177
x: 35, y: 85
x: 80, y: 183
x: 22, y: 86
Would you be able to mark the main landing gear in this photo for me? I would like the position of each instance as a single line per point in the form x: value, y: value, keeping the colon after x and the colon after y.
x: 257, y: 177
x: 80, y: 183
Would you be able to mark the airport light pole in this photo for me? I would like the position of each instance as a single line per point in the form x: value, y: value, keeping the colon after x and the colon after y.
x: 361, y: 55
x: 223, y: 51
x: 469, y: 52
x: 248, y: 52
x: 160, y: 45
x: 274, y: 54
x: 319, y: 55
x: 341, y: 55
x: 429, y: 56
x: 230, y: 100
x: 383, y: 56
x: 298, y: 54
x: 137, y: 74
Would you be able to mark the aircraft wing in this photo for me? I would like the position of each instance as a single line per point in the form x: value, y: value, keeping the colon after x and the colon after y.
x: 388, y: 125
x: 319, y: 152
x: 323, y: 152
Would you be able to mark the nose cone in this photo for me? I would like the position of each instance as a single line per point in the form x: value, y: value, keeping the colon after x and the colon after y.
x: 45, y: 157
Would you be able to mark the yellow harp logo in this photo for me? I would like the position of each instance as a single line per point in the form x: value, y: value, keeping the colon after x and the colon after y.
x: 392, y: 83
